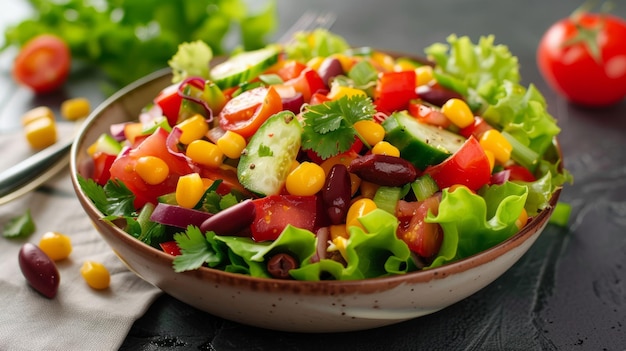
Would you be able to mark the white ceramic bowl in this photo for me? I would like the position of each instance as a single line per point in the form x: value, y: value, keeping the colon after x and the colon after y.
x: 327, y: 306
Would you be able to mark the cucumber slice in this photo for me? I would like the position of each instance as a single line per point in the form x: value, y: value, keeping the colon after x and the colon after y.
x: 420, y: 143
x: 266, y: 161
x: 107, y: 144
x: 245, y: 66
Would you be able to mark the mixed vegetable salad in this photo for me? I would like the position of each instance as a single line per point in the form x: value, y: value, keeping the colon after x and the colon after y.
x: 316, y: 160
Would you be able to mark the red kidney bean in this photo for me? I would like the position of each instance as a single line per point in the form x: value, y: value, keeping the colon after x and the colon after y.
x: 336, y: 193
x: 436, y: 94
x: 39, y: 270
x: 232, y: 220
x: 383, y: 170
x: 280, y: 264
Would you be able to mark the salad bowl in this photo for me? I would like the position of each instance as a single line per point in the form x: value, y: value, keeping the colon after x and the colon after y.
x: 289, y: 305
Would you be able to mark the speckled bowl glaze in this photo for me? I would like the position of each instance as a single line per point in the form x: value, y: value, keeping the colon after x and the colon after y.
x: 327, y: 306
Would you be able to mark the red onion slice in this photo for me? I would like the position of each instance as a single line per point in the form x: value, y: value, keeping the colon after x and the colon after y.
x: 177, y: 216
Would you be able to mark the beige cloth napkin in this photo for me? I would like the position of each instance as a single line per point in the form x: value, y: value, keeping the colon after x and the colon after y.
x: 78, y: 318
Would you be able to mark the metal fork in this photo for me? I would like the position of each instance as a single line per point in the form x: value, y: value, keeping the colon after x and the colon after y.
x: 38, y: 168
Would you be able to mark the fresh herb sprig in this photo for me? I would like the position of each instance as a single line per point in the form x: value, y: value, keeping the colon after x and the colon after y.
x: 329, y: 127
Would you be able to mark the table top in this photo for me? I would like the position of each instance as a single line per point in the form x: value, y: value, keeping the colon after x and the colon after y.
x: 567, y: 293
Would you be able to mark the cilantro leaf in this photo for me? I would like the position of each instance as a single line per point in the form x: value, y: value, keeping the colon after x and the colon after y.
x: 265, y: 151
x: 329, y: 127
x: 114, y: 199
x: 196, y: 250
x: 20, y: 226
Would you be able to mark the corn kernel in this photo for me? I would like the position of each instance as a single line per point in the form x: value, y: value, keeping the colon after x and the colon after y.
x: 56, y: 245
x: 522, y: 219
x: 306, y: 180
x: 424, y: 75
x: 205, y: 153
x: 231, y: 144
x: 495, y: 142
x: 346, y: 61
x: 370, y: 131
x: 193, y: 128
x: 41, y: 133
x: 36, y: 113
x: 152, y: 169
x: 358, y: 209
x: 385, y: 61
x: 338, y: 230
x: 368, y: 189
x: 340, y: 244
x: 338, y: 91
x: 458, y: 112
x: 403, y: 65
x: 96, y: 275
x: 189, y: 190
x: 315, y: 62
x: 73, y: 109
x: 385, y: 148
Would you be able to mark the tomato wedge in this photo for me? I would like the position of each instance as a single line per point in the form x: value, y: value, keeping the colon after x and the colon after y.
x: 275, y: 212
x: 245, y: 113
x: 468, y: 166
x: 43, y: 63
x: 422, y: 238
x: 169, y: 101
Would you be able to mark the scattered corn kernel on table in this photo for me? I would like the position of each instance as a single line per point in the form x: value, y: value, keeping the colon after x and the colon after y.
x: 567, y: 293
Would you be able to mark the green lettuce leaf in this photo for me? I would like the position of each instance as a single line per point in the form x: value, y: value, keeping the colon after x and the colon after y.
x: 375, y: 252
x: 319, y: 42
x: 488, y: 219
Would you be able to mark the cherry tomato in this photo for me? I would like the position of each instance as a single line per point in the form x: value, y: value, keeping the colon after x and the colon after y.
x: 245, y: 113
x: 123, y: 168
x: 171, y: 247
x: 569, y: 67
x: 428, y: 114
x: 43, y: 63
x: 468, y: 166
x: 169, y: 101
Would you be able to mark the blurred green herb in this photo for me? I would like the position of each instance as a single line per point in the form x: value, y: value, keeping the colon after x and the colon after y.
x: 128, y: 39
x: 19, y: 226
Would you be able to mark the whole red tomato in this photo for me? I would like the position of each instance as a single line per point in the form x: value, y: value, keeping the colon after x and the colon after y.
x: 569, y: 64
x: 43, y: 63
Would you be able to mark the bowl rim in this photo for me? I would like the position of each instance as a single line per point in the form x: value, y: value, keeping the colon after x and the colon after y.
x: 425, y: 275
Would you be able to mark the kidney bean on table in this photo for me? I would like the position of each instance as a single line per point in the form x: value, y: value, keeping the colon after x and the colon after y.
x: 383, y: 170
x: 336, y: 193
x: 39, y: 270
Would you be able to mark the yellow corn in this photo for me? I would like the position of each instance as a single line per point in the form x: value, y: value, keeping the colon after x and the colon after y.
x: 152, y: 169
x: 338, y: 230
x: 338, y: 91
x: 194, y: 128
x: 385, y: 148
x: 41, y: 132
x: 96, y: 275
x: 368, y: 189
x: 495, y: 142
x: 370, y: 131
x: 403, y: 64
x: 522, y: 219
x: 340, y: 244
x: 458, y: 112
x: 189, y: 190
x: 359, y: 208
x: 205, y: 153
x: 424, y: 75
x: 294, y: 165
x: 345, y: 60
x: 73, y: 109
x: 306, y: 179
x: 56, y: 245
x: 315, y: 62
x: 385, y: 61
x: 231, y: 144
x: 37, y: 113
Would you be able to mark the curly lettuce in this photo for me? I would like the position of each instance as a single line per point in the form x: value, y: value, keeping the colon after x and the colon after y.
x: 320, y: 42
x: 488, y: 76
x: 488, y: 219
